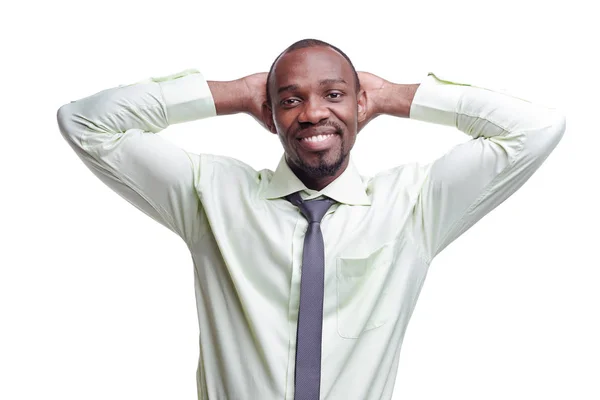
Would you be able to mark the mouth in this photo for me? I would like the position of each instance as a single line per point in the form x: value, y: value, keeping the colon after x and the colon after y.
x: 319, y: 142
x: 319, y: 138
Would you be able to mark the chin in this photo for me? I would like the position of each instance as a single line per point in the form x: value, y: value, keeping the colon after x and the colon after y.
x: 323, y: 169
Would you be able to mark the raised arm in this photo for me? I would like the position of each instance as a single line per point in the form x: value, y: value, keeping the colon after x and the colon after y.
x: 510, y: 140
x: 114, y: 134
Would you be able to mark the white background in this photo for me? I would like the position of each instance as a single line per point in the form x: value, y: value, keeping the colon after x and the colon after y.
x: 97, y: 300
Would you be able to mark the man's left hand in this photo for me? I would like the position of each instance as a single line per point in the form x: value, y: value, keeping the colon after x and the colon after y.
x: 385, y: 97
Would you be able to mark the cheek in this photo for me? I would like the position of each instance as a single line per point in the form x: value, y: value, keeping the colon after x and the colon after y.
x: 348, y: 113
x: 284, y: 124
x: 280, y: 121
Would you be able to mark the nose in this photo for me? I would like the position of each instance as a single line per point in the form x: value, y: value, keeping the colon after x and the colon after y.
x: 313, y: 111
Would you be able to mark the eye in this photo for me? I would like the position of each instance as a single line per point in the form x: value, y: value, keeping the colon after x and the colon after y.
x: 289, y: 102
x: 335, y: 95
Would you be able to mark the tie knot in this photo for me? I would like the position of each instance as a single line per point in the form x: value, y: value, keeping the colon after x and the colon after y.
x: 313, y: 210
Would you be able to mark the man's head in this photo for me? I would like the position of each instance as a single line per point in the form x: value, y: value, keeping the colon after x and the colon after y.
x: 313, y: 91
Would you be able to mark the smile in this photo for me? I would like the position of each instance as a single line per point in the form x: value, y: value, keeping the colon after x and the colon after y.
x: 318, y: 138
x: 318, y: 142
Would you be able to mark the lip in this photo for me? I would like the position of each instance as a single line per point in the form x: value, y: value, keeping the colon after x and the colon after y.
x: 319, y: 146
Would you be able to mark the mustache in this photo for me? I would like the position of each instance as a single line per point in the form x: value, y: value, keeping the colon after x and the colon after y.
x: 305, y: 126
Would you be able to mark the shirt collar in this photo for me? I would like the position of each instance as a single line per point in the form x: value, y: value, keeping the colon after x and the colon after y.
x: 348, y: 188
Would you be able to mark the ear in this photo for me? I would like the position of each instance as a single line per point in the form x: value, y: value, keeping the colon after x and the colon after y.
x: 361, y: 100
x: 267, y: 117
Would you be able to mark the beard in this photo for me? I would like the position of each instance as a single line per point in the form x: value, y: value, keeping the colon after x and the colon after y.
x: 324, y: 168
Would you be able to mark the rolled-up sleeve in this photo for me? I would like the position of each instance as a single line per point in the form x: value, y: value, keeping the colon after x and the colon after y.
x: 114, y: 134
x: 511, y: 138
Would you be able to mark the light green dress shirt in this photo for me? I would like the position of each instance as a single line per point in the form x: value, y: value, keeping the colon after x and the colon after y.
x: 246, y: 240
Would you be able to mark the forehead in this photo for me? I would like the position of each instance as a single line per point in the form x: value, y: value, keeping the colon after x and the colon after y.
x: 309, y: 65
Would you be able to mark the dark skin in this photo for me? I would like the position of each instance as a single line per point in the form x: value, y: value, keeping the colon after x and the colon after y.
x: 313, y: 92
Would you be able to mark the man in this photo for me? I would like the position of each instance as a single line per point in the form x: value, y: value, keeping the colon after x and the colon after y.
x: 306, y: 277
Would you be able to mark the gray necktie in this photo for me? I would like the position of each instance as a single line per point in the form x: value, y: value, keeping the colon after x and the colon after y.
x: 310, y: 316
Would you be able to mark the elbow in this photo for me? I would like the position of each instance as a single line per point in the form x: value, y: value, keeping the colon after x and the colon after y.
x: 543, y: 141
x: 64, y: 113
x: 66, y: 125
x: 555, y: 130
x: 63, y: 117
x: 560, y: 126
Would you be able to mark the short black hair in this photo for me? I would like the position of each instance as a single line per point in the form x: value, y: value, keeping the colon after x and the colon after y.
x: 309, y: 43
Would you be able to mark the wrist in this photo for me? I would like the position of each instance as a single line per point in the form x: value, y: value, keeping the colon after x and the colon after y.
x: 398, y: 99
x: 229, y: 96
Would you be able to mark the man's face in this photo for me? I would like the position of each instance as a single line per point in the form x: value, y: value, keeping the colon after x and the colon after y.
x: 313, y: 95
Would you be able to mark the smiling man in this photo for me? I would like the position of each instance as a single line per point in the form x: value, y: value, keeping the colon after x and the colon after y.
x: 306, y: 276
x: 317, y: 105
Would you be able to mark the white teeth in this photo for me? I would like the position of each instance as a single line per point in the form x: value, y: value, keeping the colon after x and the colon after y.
x: 318, y: 138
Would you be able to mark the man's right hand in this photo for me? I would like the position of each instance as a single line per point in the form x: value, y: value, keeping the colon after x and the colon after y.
x: 247, y: 95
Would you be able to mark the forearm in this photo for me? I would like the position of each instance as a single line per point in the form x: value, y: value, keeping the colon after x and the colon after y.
x: 483, y: 113
x: 229, y: 96
x: 150, y: 105
x: 397, y: 99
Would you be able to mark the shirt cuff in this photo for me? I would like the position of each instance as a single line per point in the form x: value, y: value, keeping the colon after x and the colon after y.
x: 436, y: 101
x: 187, y: 96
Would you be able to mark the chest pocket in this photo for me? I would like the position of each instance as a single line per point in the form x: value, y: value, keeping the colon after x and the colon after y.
x: 362, y: 292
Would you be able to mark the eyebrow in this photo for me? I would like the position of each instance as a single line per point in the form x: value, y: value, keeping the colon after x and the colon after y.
x: 330, y: 81
x: 322, y: 82
x: 286, y: 88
